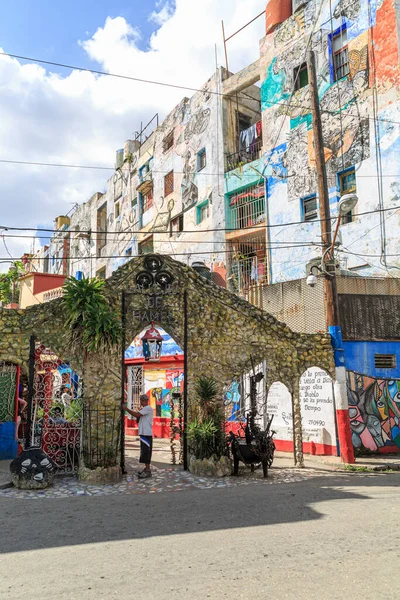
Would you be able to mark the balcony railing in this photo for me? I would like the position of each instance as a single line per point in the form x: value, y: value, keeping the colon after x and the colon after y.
x: 247, y: 208
x: 244, y: 156
x: 246, y: 276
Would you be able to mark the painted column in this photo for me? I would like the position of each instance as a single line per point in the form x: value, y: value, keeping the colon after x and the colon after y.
x: 297, y: 426
x: 341, y: 399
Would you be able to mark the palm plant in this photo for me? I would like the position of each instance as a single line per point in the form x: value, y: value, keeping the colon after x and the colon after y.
x: 93, y: 326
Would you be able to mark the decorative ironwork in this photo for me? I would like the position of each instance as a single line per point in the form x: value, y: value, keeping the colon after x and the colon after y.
x: 8, y: 382
x: 135, y: 386
x: 153, y: 280
x: 57, y: 410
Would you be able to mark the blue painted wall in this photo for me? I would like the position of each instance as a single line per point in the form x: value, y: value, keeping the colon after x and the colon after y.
x: 359, y: 358
x: 8, y: 443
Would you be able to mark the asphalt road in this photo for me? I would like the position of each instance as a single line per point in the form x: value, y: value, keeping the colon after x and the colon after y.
x: 326, y: 538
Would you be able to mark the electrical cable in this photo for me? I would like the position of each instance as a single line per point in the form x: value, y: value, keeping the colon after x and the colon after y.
x: 202, y: 172
x: 153, y: 82
x: 148, y: 233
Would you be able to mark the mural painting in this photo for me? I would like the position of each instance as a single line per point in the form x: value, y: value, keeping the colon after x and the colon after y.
x: 159, y: 385
x: 374, y: 410
x: 317, y: 412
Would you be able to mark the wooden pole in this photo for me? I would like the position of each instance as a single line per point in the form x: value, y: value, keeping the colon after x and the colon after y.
x: 323, y: 194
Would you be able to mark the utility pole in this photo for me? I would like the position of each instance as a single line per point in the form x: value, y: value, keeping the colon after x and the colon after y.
x: 332, y: 317
x: 332, y: 313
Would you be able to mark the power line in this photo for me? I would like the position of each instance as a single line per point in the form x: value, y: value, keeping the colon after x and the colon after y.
x: 226, y: 229
x: 202, y: 172
x: 165, y: 84
x: 44, y: 164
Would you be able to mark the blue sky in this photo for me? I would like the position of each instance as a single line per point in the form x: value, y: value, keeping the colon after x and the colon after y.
x: 49, y: 29
x: 81, y: 118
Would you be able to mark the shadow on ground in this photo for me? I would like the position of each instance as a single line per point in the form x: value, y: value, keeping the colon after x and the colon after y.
x: 49, y: 523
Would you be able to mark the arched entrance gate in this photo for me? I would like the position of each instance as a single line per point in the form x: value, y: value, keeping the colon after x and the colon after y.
x: 221, y: 334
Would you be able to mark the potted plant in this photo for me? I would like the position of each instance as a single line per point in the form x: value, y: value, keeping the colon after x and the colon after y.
x: 206, y: 433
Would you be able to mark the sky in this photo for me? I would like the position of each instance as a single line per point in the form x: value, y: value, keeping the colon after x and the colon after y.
x: 53, y: 114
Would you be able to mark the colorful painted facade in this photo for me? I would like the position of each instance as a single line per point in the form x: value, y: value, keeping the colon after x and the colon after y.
x: 356, y: 45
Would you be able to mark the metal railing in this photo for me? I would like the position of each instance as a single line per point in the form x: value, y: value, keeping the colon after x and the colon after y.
x: 243, y: 156
x: 101, y: 437
x: 247, y: 208
x: 247, y: 276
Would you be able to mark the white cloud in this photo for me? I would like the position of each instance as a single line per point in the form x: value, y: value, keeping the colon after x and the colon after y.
x: 160, y: 17
x: 82, y: 118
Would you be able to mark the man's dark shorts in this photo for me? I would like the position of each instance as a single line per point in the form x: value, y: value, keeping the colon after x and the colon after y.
x: 146, y: 448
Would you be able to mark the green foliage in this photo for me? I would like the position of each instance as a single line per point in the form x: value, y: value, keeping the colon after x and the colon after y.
x: 206, y: 391
x: 93, y: 326
x: 206, y: 435
x: 74, y: 412
x: 204, y: 439
x: 9, y: 285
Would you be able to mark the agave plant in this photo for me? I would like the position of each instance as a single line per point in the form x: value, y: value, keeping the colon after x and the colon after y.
x: 93, y: 326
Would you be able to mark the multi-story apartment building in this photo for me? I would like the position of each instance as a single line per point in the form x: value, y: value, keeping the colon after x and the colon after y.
x: 167, y: 192
x: 356, y: 45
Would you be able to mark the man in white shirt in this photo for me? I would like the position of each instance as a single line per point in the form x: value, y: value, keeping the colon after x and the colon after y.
x: 145, y: 417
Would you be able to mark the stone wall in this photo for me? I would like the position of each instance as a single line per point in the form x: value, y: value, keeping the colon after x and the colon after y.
x: 225, y: 334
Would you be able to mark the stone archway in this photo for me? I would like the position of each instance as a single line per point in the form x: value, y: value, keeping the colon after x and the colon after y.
x: 224, y: 335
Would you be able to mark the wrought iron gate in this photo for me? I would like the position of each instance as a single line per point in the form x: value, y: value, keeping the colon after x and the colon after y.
x: 135, y: 386
x: 56, y: 409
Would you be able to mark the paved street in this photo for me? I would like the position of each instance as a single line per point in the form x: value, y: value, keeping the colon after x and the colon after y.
x: 323, y: 536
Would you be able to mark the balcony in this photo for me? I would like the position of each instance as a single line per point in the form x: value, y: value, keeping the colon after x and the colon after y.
x: 247, y: 276
x: 247, y: 208
x: 145, y: 182
x: 250, y: 148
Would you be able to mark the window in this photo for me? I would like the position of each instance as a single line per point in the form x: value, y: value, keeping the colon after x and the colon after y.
x: 101, y: 273
x: 347, y: 185
x: 340, y: 55
x: 201, y: 159
x: 101, y: 240
x: 117, y: 208
x: 309, y: 208
x: 148, y: 200
x: 244, y: 121
x: 146, y: 247
x: 203, y: 212
x: 176, y: 225
x: 168, y: 141
x: 134, y: 202
x: 385, y: 361
x: 169, y: 183
x: 300, y: 76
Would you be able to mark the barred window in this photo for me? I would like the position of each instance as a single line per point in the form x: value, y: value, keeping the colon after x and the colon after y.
x: 340, y: 55
x: 169, y: 183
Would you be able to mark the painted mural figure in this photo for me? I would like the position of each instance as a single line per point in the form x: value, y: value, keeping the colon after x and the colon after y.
x: 374, y: 410
x: 232, y: 399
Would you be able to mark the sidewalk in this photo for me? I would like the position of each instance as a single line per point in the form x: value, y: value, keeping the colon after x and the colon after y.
x: 334, y: 463
x: 5, y: 476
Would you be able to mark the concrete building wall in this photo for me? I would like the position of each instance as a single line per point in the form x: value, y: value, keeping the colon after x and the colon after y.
x: 196, y: 125
x: 353, y: 138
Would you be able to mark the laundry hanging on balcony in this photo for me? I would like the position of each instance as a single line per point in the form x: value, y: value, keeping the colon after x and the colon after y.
x: 248, y: 136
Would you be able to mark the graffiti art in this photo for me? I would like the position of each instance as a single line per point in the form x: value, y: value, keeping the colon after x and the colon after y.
x: 374, y: 411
